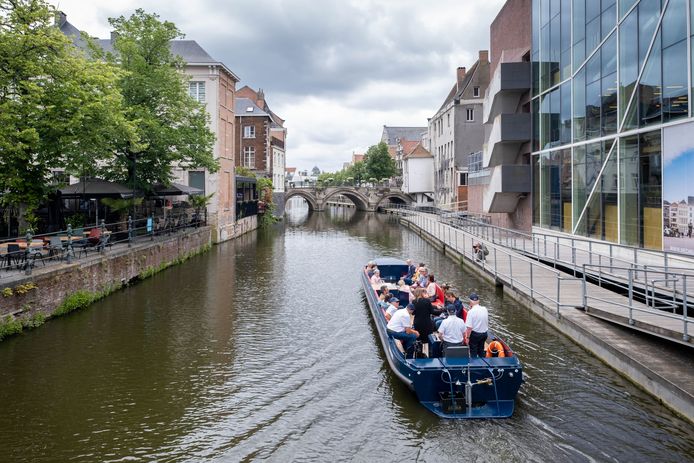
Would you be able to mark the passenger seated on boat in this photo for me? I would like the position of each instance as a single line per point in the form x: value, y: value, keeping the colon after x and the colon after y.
x: 393, y: 306
x: 435, y: 293
x: 452, y: 329
x: 495, y: 349
x: 411, y: 270
x: 423, y: 278
x: 376, y: 278
x: 399, y: 327
x: 386, y: 292
x: 405, y: 293
x: 383, y: 301
x: 370, y: 269
x: 451, y: 300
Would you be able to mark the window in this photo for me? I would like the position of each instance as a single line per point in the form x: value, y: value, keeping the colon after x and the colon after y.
x: 475, y: 92
x: 449, y: 119
x: 469, y: 114
x: 249, y: 131
x: 249, y: 157
x: 196, y: 179
x: 462, y: 178
x: 197, y: 91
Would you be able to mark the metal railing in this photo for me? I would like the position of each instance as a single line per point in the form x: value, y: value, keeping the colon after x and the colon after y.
x: 23, y: 253
x: 676, y: 306
x: 518, y: 271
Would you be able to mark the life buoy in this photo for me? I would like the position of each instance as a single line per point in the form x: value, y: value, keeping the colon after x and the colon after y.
x: 495, y: 346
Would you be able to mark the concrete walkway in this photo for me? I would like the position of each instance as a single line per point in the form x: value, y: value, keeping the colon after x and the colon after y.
x: 665, y: 369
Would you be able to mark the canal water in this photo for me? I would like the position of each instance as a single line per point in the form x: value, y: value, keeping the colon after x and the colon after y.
x: 263, y: 348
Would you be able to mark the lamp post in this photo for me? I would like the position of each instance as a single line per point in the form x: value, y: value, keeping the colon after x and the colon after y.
x: 96, y: 208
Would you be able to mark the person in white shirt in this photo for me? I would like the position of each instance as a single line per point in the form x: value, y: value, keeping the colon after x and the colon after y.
x: 393, y: 307
x: 452, y: 330
x: 477, y: 325
x: 399, y: 327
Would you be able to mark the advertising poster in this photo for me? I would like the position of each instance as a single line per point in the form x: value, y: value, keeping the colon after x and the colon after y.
x: 678, y: 188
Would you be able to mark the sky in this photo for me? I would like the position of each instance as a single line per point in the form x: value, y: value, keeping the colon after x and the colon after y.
x: 335, y: 70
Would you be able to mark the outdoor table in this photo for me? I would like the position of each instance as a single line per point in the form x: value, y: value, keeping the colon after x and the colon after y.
x: 23, y: 244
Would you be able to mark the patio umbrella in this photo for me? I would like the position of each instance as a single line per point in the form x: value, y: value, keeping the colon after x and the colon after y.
x: 175, y: 189
x: 96, y: 187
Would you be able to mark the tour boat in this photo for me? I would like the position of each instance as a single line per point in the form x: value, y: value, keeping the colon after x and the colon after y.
x: 452, y: 386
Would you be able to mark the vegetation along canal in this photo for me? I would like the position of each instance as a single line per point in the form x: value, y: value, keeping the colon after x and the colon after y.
x: 264, y: 348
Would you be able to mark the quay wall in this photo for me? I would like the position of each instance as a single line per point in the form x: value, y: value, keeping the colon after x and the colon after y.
x: 622, y: 353
x: 53, y: 288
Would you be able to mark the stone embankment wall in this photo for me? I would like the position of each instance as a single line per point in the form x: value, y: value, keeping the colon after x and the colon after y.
x: 58, y: 289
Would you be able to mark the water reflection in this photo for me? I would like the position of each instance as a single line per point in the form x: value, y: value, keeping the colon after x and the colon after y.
x: 264, y: 348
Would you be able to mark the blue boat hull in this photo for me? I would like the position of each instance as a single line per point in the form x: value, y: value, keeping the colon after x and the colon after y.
x: 440, y: 383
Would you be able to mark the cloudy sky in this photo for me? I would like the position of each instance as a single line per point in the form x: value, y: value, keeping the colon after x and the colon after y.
x: 336, y: 70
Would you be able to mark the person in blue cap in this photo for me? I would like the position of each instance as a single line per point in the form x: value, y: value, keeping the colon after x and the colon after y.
x: 477, y: 325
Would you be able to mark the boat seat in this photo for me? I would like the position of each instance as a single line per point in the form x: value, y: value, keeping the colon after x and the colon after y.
x: 398, y: 344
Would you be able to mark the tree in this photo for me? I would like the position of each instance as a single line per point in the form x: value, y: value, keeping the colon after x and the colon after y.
x: 378, y: 163
x: 315, y: 171
x: 172, y: 126
x: 58, y: 109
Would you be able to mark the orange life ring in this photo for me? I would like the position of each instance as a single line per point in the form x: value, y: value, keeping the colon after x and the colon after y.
x: 495, y: 346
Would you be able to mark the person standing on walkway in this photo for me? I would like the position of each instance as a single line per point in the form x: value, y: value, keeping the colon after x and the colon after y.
x: 477, y: 325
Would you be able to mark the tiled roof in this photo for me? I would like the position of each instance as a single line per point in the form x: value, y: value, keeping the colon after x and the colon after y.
x: 418, y: 152
x: 242, y: 105
x: 408, y: 145
x: 392, y: 134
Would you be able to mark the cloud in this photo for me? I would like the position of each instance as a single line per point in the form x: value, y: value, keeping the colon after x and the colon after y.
x: 336, y: 70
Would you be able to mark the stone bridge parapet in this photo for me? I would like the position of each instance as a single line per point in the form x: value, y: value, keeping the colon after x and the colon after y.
x: 367, y: 199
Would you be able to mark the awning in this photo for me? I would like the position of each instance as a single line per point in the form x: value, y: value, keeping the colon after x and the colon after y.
x: 175, y: 189
x: 96, y: 187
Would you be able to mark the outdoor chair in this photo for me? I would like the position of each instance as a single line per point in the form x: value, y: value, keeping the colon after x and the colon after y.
x: 36, y: 253
x: 56, y: 247
x: 15, y: 255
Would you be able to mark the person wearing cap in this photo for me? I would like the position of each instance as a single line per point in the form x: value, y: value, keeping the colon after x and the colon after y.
x: 393, y: 306
x: 452, y: 329
x: 477, y: 325
x: 400, y: 327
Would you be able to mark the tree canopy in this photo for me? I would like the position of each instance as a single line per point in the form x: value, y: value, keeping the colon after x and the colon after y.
x: 378, y: 163
x: 172, y: 126
x: 58, y: 109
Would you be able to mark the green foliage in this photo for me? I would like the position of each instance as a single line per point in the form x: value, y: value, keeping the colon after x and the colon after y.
x: 21, y: 290
x: 244, y: 172
x: 9, y: 326
x: 172, y: 126
x: 75, y: 301
x: 34, y: 321
x: 121, y: 205
x: 264, y: 189
x: 7, y: 292
x: 378, y: 163
x: 57, y: 108
x: 200, y: 201
x: 355, y: 174
x: 77, y: 220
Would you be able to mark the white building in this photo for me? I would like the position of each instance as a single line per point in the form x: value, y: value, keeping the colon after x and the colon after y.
x: 418, y: 175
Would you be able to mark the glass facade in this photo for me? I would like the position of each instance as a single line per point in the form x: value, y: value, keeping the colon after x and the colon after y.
x: 608, y: 75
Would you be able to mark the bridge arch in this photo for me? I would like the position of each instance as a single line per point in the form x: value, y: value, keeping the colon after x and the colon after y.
x: 394, y: 195
x: 306, y: 194
x: 360, y: 201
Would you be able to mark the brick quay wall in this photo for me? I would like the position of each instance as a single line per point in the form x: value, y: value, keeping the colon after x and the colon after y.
x: 27, y: 300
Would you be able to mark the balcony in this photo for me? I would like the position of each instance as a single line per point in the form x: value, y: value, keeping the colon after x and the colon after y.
x: 509, y: 82
x: 508, y: 133
x: 506, y: 186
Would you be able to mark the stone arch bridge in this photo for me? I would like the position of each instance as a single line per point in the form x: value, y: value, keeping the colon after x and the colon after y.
x: 364, y: 198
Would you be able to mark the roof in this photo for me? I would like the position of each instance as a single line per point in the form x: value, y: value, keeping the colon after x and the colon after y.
x: 392, y: 134
x: 290, y: 170
x: 392, y: 150
x: 458, y: 90
x: 408, y: 145
x: 418, y: 152
x: 96, y: 187
x: 189, y: 50
x: 242, y: 105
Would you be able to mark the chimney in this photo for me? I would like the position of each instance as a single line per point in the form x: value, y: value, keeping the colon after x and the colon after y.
x: 460, y: 74
x: 261, y: 99
x: 484, y: 56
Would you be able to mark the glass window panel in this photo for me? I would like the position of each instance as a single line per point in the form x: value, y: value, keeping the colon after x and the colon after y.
x: 650, y: 88
x: 607, y: 4
x: 544, y: 12
x: 609, y: 194
x: 592, y: 9
x: 649, y: 12
x: 536, y: 124
x: 535, y: 66
x: 674, y: 24
x: 566, y: 207
x: 592, y: 35
x: 553, y: 8
x: 599, y: 219
x: 579, y: 50
x: 629, y: 190
x: 624, y: 6
x: 609, y: 55
x: 545, y: 189
x: 545, y: 119
x: 579, y: 95
x: 650, y: 190
x: 544, y: 58
x: 593, y: 109
x: 609, y: 104
x: 593, y: 68
x: 579, y: 20
x: 554, y: 170
x: 555, y: 51
x: 579, y: 180
x: 628, y: 61
x: 609, y: 18
x: 536, y: 26
x: 675, y: 97
x: 565, y: 114
x: 555, y: 108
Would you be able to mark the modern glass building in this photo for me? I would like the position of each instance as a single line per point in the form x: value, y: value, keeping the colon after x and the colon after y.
x: 613, y: 138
